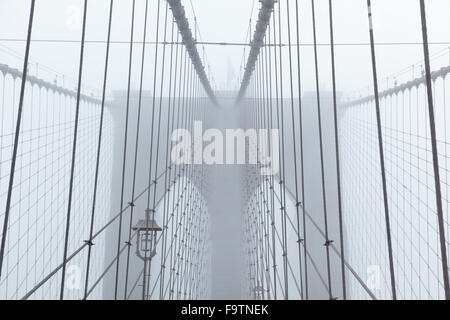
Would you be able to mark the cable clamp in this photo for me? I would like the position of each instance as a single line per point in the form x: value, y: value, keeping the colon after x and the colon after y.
x: 328, y: 243
x: 89, y: 243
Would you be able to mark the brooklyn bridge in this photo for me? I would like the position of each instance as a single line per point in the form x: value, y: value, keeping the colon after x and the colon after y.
x: 348, y: 104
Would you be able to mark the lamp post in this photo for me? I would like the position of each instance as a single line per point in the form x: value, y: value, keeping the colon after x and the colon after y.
x: 146, y: 242
x: 146, y: 237
x: 259, y: 292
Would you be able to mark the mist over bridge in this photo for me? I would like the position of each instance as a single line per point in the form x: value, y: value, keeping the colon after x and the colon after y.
x: 96, y: 208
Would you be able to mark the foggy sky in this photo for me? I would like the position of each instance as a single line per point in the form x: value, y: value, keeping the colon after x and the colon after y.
x: 397, y: 30
x: 225, y: 21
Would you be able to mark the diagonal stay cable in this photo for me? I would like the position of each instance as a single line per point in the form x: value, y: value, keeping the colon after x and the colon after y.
x: 281, y: 244
x: 347, y: 264
x: 120, y: 252
x: 80, y: 249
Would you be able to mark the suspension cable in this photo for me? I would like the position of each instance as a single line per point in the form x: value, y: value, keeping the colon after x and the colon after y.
x: 99, y: 144
x: 381, y: 151
x: 265, y: 13
x: 328, y: 242
x: 166, y: 190
x: 74, y: 147
x: 274, y: 265
x: 17, y: 135
x: 437, y: 180
x: 132, y: 204
x: 183, y: 26
x: 336, y: 141
x: 125, y: 146
x: 283, y: 167
x: 302, y: 163
x: 297, y: 203
x: 151, y: 150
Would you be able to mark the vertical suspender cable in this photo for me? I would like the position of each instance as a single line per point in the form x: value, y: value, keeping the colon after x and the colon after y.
x: 277, y: 103
x: 181, y: 105
x: 435, y: 152
x: 272, y: 177
x: 302, y: 168
x: 158, y: 135
x: 261, y: 182
x: 169, y: 189
x: 16, y: 136
x: 297, y: 203
x: 190, y: 44
x: 269, y: 194
x: 188, y: 205
x: 138, y: 124
x: 99, y: 144
x: 176, y: 193
x: 381, y: 150
x: 151, y: 212
x: 336, y: 140
x: 74, y: 148
x: 183, y: 196
x: 167, y: 159
x: 151, y: 149
x: 283, y: 167
x: 324, y: 197
x: 125, y: 144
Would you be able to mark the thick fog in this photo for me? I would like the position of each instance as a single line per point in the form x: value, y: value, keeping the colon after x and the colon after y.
x: 224, y: 30
x: 397, y: 30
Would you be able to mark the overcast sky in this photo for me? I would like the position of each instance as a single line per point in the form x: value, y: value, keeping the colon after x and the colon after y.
x: 226, y: 21
x: 57, y: 30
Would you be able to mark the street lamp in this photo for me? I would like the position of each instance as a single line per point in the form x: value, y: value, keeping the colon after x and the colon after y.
x: 259, y: 292
x: 146, y: 237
